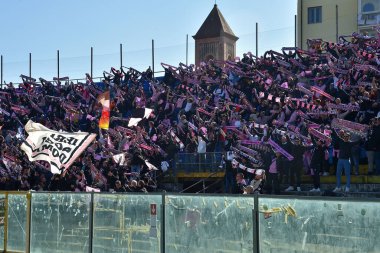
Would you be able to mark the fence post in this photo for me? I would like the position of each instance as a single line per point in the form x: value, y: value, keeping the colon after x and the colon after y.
x: 257, y: 40
x: 91, y: 224
x: 337, y: 23
x: 30, y: 65
x: 121, y: 56
x: 6, y: 223
x: 163, y: 222
x: 187, y: 49
x: 295, y: 30
x: 58, y: 65
x: 1, y: 72
x: 28, y: 220
x: 256, y: 224
x: 92, y: 61
x: 153, y: 57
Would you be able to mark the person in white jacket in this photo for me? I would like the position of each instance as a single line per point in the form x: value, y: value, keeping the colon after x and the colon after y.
x: 201, y: 150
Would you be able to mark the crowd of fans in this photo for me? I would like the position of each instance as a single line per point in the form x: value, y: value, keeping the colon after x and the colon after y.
x: 275, y: 118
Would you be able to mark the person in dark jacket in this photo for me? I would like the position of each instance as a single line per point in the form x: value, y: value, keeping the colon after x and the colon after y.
x: 118, y: 187
x: 296, y: 165
x: 345, y: 147
x: 239, y: 184
x: 372, y: 147
x: 229, y: 172
x: 272, y: 175
x: 316, y: 163
x: 287, y: 165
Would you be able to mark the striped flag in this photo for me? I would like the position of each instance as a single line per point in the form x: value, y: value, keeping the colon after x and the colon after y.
x: 104, y: 100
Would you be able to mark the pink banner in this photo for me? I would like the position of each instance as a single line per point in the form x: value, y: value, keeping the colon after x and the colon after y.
x: 277, y: 148
x: 319, y: 91
x: 319, y: 135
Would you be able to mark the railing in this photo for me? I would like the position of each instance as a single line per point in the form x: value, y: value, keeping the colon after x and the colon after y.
x: 203, y: 181
x: 194, y: 162
x: 77, y: 80
x: 369, y: 18
x: 102, y: 222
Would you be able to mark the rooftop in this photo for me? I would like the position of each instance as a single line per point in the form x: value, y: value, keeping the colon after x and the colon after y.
x: 214, y: 26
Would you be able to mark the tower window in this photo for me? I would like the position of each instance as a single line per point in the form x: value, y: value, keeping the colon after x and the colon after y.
x: 314, y: 15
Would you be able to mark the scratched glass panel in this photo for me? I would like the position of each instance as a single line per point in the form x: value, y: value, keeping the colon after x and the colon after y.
x: 60, y: 222
x: 123, y: 223
x: 318, y: 226
x: 208, y: 224
x: 16, y: 222
x: 2, y: 216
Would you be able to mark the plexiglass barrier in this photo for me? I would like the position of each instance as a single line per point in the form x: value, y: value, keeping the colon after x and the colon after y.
x: 313, y: 225
x: 60, y: 222
x: 17, y: 213
x: 127, y: 223
x: 208, y: 224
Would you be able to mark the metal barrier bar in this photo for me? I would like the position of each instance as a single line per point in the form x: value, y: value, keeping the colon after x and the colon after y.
x: 28, y: 220
x: 194, y: 162
x: 200, y: 181
x: 255, y: 214
x: 163, y: 223
x: 256, y: 224
x: 91, y: 224
x: 6, y: 223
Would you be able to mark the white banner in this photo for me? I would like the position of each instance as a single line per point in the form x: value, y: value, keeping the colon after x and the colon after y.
x: 120, y: 159
x: 60, y: 149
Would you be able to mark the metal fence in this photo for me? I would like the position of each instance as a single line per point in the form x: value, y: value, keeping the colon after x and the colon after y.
x: 194, y: 162
x: 103, y: 222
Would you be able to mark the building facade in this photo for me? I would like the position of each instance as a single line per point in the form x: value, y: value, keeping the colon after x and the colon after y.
x: 214, y: 39
x: 368, y: 16
x: 325, y: 19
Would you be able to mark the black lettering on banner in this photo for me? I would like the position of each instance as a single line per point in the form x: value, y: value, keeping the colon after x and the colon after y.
x: 62, y: 157
x: 66, y: 149
x: 48, y: 147
x: 55, y: 153
x: 58, y: 145
x: 60, y: 138
x: 72, y: 141
x: 47, y: 140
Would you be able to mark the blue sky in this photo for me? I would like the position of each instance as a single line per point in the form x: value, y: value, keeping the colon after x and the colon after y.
x: 41, y: 27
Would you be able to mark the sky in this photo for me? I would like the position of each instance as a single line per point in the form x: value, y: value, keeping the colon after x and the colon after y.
x: 41, y: 27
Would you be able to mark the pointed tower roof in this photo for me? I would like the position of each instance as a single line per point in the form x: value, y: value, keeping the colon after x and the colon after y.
x: 214, y: 26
